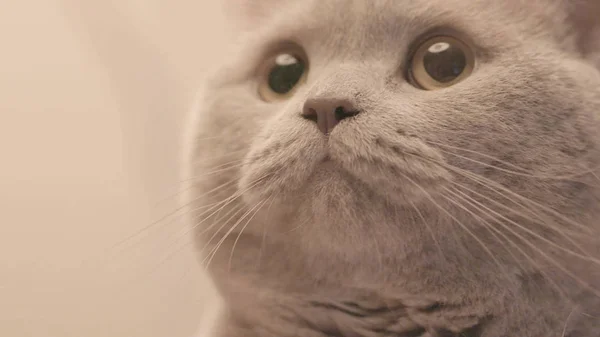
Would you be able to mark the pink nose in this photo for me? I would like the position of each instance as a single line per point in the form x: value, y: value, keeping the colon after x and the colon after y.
x: 327, y: 113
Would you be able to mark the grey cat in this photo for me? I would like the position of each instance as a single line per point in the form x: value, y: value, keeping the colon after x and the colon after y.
x: 403, y: 168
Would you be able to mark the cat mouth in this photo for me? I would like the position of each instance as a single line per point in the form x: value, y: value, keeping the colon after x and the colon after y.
x: 388, y: 174
x: 330, y: 165
x: 354, y: 165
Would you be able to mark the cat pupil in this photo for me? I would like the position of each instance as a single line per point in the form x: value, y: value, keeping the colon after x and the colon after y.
x: 286, y: 73
x: 444, y: 63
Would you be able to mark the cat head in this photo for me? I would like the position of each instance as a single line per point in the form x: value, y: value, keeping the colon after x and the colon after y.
x: 357, y: 135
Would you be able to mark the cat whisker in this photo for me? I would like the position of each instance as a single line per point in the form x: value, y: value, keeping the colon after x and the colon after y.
x: 491, y: 228
x: 173, y: 251
x: 451, y: 216
x: 214, y: 209
x: 223, y: 204
x: 227, y: 201
x: 189, y: 202
x: 237, y: 209
x: 540, y: 219
x: 485, y: 155
x: 201, y: 196
x: 173, y: 240
x: 529, y: 231
x: 495, y: 230
x: 302, y: 224
x: 235, y: 225
x: 595, y: 176
x: 486, y: 183
x: 209, y: 172
x: 221, y: 136
x: 194, y: 180
x: 206, y: 261
x: 524, y: 173
x: 458, y: 132
x: 264, y: 233
x: 429, y: 229
x: 120, y: 247
x: 215, y: 170
x: 216, y: 158
x: 490, y: 184
x: 539, y: 250
x: 564, y: 332
x: 242, y: 231
x: 495, y: 187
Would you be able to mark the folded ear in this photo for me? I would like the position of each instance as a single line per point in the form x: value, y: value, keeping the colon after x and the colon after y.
x: 583, y: 17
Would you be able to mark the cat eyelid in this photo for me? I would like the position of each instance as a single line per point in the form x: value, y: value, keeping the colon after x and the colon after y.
x: 272, y: 49
x: 482, y: 54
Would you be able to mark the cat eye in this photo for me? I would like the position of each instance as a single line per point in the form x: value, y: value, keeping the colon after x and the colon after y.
x: 282, y: 74
x: 440, y: 62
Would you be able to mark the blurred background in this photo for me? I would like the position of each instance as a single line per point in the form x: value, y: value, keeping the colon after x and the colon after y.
x: 93, y: 103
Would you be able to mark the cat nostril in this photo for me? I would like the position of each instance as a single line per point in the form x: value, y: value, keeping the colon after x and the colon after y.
x: 341, y: 113
x: 327, y: 113
x: 311, y: 114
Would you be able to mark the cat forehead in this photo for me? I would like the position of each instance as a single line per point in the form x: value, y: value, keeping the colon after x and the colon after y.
x: 349, y: 13
x: 356, y: 20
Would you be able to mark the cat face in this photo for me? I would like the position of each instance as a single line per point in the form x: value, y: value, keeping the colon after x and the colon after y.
x: 361, y: 135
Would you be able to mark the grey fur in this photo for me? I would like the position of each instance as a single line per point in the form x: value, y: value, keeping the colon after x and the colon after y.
x: 379, y: 241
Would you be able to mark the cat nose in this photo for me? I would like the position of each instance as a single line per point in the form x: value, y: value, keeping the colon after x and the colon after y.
x: 327, y: 113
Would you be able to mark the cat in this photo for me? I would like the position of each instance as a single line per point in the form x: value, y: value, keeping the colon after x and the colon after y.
x: 402, y: 168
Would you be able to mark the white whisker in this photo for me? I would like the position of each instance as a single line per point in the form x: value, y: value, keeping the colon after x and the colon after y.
x: 465, y: 228
x: 237, y: 210
x: 429, y: 229
x: 213, y: 252
x: 493, y: 229
x: 242, y: 230
x: 543, y: 254
x: 487, y: 183
x: 264, y: 234
x: 523, y: 173
x: 538, y: 236
x: 564, y: 332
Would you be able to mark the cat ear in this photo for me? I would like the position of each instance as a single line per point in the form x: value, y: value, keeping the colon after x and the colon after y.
x: 584, y: 19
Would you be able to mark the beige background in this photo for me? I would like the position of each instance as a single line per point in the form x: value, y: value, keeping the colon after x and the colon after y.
x: 92, y: 101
